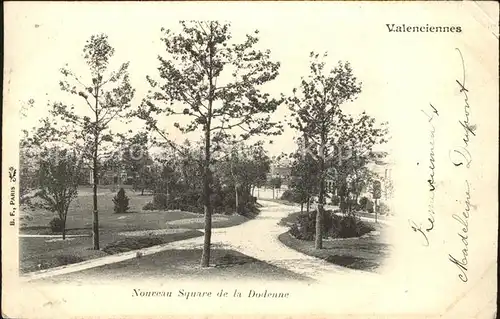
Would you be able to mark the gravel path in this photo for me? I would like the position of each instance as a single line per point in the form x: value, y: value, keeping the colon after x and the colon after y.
x: 258, y: 238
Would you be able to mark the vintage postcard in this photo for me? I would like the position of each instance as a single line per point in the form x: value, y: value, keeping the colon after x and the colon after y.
x: 250, y: 159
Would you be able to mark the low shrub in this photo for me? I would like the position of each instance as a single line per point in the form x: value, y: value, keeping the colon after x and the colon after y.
x: 370, y: 207
x: 348, y: 226
x: 68, y: 259
x: 121, y: 202
x: 56, y: 225
x: 187, y: 207
x: 366, y: 204
x: 249, y: 209
x: 383, y: 209
x: 129, y: 244
x: 149, y: 206
x: 304, y: 227
x: 160, y: 201
x: 334, y: 226
x: 291, y: 196
x: 336, y: 200
x: 363, y: 202
x: 344, y: 205
x: 223, y: 201
x: 287, y: 195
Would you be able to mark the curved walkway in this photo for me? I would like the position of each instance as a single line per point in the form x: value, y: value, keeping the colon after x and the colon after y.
x: 257, y: 238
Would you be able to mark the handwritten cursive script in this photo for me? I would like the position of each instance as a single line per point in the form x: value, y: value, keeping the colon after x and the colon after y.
x: 431, y: 182
x: 468, y: 128
x: 460, y: 156
x: 432, y: 165
x: 463, y: 220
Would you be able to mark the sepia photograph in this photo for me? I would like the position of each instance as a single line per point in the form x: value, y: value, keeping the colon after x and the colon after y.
x: 257, y: 159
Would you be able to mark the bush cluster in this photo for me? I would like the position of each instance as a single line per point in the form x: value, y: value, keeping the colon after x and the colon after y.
x: 336, y: 200
x: 121, y: 202
x: 149, y: 206
x: 222, y: 199
x: 334, y: 226
x: 383, y: 209
x: 368, y: 205
x: 291, y: 196
x: 56, y: 225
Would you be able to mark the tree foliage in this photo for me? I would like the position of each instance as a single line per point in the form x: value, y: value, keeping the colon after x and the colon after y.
x: 357, y: 138
x: 58, y: 181
x: 244, y: 168
x: 304, y: 179
x: 317, y: 114
x: 104, y: 95
x: 215, y: 84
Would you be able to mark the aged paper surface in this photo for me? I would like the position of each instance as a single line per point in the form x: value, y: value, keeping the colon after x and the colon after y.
x: 430, y: 70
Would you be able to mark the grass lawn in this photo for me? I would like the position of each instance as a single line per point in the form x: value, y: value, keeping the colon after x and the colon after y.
x: 362, y: 253
x: 184, y: 265
x: 40, y: 253
x: 80, y: 215
x: 43, y: 253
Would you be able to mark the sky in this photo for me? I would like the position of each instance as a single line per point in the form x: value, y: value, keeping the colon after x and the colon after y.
x: 42, y: 37
x: 50, y: 35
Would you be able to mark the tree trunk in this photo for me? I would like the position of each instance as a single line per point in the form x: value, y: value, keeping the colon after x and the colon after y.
x: 95, y: 223
x: 236, y: 198
x: 318, y: 243
x: 308, y: 204
x: 273, y: 192
x: 205, y: 257
x: 64, y: 226
x: 236, y: 209
x: 207, y: 207
x: 168, y: 195
x: 302, y: 207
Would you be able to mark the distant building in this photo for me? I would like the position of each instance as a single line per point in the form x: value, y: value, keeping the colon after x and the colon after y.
x: 112, y: 177
x: 383, y: 169
x: 281, y: 170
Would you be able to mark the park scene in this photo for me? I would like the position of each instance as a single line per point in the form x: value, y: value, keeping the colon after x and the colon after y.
x: 190, y: 176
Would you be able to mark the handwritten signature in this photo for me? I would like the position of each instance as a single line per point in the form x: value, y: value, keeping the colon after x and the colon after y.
x: 462, y: 264
x: 462, y: 156
x: 432, y: 186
